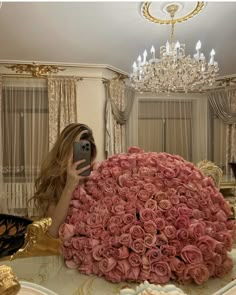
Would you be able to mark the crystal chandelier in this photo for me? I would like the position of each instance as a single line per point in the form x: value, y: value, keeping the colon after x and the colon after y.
x: 174, y: 71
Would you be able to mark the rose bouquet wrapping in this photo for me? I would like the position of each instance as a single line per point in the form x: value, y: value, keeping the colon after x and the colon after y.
x: 148, y: 216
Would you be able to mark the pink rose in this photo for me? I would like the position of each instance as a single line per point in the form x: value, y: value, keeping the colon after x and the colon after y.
x: 123, y: 252
x: 96, y: 232
x: 138, y: 246
x: 98, y: 252
x: 66, y: 231
x: 162, y: 272
x: 150, y: 227
x: 170, y: 232
x: 165, y: 205
x: 118, y: 209
x: 182, y: 234
x: 110, y: 252
x: 183, y: 210
x: 178, y: 246
x: 221, y: 216
x: 123, y: 266
x: 134, y: 259
x: 226, y: 239
x: 196, y: 230
x: 199, y: 272
x: 136, y: 232
x: 151, y: 204
x: 168, y: 251
x: 134, y: 149
x: 207, y: 246
x: 125, y: 239
x: 149, y: 240
x: 150, y: 188
x: 144, y: 274
x: 107, y: 264
x: 160, y: 223
x: 182, y: 222
x: 153, y: 255
x: 143, y: 195
x: 191, y: 254
x: 116, y: 171
x: 146, y: 214
x: 176, y: 265
x: 129, y: 218
x: 161, y: 240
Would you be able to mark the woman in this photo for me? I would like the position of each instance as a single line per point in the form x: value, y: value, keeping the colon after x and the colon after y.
x: 59, y: 176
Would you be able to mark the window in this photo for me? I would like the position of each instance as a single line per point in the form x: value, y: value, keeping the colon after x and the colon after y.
x: 24, y: 130
x: 166, y: 126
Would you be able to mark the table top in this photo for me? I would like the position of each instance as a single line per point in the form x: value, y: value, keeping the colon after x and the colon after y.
x: 50, y: 272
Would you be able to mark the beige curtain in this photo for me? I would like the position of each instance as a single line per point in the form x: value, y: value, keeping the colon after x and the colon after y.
x: 24, y: 128
x: 166, y: 126
x: 62, y: 96
x: 2, y: 204
x: 223, y: 103
x: 119, y: 101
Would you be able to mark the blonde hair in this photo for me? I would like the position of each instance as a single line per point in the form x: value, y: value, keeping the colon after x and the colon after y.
x: 52, y: 179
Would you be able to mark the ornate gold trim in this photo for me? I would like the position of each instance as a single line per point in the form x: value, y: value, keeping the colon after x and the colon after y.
x: 9, y: 284
x: 37, y: 241
x: 145, y: 11
x: 209, y: 168
x: 36, y: 70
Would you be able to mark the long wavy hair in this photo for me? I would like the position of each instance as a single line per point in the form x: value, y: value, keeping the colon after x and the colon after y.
x: 52, y: 179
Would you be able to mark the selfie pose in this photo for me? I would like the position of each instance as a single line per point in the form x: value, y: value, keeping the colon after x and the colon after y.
x: 63, y: 170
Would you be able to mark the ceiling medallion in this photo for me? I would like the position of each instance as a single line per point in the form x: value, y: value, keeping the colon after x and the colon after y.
x: 35, y: 69
x: 188, y: 11
x: 173, y: 71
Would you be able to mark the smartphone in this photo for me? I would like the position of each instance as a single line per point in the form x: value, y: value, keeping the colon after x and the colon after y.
x: 82, y: 151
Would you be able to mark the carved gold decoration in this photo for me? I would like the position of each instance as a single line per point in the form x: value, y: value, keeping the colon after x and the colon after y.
x: 209, y: 168
x: 35, y: 69
x: 145, y: 11
x: 37, y: 241
x: 8, y: 281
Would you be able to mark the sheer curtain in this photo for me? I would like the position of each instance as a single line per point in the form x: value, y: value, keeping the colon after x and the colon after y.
x: 24, y: 127
x: 223, y: 103
x: 62, y: 96
x: 119, y: 101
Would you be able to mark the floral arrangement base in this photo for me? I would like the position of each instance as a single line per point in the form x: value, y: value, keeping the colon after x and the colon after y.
x: 148, y: 216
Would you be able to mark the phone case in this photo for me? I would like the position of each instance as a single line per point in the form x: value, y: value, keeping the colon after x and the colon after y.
x: 82, y: 151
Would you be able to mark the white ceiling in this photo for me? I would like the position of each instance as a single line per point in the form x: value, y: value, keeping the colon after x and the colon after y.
x: 112, y: 33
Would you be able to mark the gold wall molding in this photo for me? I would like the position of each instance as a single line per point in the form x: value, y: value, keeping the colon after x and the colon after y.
x: 35, y: 70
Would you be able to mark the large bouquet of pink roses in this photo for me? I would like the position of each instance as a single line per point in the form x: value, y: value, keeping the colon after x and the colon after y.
x: 148, y: 216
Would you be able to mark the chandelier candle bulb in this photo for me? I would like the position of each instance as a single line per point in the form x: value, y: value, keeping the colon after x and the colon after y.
x: 153, y: 52
x: 139, y: 60
x: 167, y: 47
x: 134, y: 67
x: 144, y: 56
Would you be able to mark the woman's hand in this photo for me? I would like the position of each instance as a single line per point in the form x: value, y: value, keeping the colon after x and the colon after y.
x: 73, y: 175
